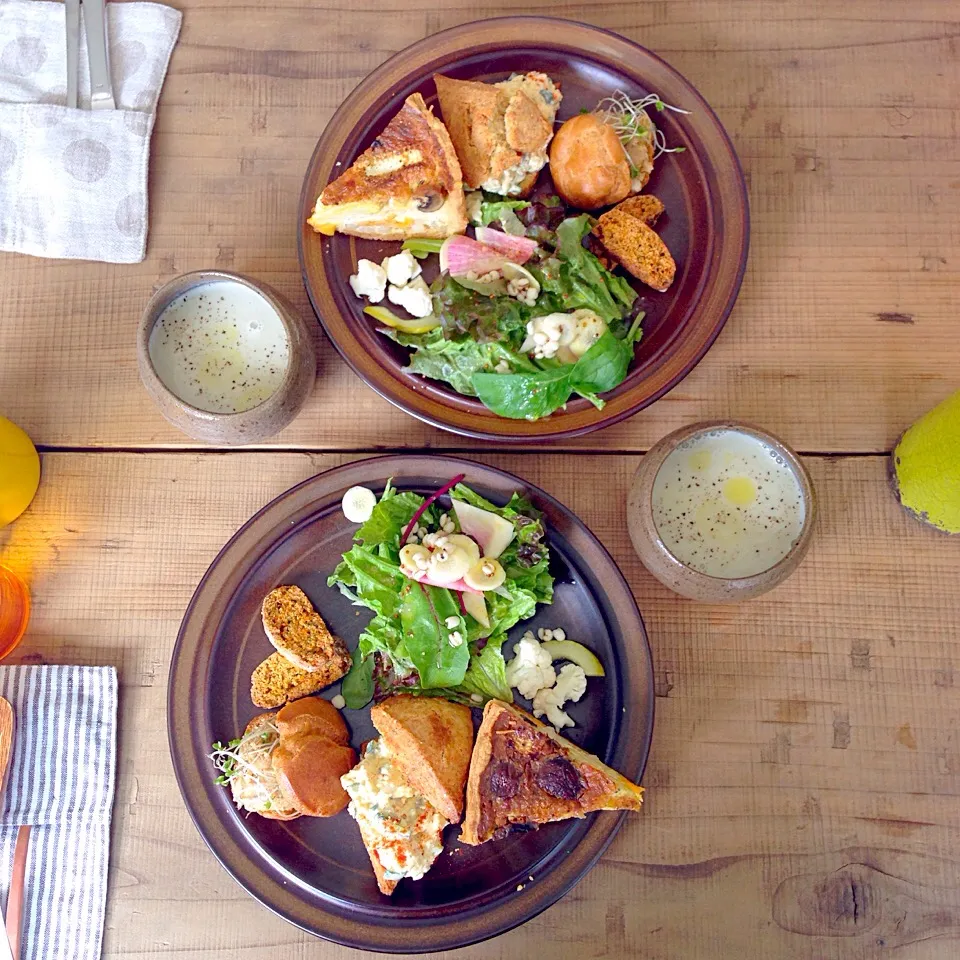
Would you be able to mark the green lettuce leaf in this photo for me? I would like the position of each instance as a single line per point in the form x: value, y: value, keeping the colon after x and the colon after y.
x: 456, y: 361
x: 524, y: 396
x: 575, y: 279
x: 389, y: 519
x: 487, y: 674
x: 357, y: 686
x: 376, y: 581
x: 464, y: 312
x: 423, y: 614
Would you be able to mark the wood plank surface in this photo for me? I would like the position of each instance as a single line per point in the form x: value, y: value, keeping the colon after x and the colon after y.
x: 804, y: 781
x: 845, y: 117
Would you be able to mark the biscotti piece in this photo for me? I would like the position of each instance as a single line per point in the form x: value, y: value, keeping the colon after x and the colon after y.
x: 277, y: 681
x: 298, y: 631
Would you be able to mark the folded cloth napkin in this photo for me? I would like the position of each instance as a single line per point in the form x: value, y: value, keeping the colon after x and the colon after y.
x: 61, y: 782
x: 73, y: 183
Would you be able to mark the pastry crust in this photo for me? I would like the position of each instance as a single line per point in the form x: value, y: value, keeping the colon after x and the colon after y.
x: 407, y: 183
x: 523, y: 773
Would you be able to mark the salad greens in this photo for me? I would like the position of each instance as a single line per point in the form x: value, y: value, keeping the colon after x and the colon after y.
x: 405, y: 647
x: 477, y: 348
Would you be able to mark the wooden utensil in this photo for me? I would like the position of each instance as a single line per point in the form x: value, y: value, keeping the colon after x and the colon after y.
x: 10, y: 944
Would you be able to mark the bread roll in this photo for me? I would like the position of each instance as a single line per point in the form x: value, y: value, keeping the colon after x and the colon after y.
x: 308, y: 769
x: 313, y: 715
x: 588, y: 163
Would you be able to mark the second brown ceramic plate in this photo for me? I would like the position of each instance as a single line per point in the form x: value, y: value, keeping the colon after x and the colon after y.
x: 315, y: 872
x: 705, y: 225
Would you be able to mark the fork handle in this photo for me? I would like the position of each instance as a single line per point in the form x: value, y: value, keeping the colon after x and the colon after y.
x: 15, y: 897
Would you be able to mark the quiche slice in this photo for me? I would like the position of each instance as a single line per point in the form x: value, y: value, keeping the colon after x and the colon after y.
x: 407, y: 183
x: 523, y: 773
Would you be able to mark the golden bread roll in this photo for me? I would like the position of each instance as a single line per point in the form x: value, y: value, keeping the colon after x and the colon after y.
x: 308, y: 769
x: 312, y: 715
x: 588, y: 163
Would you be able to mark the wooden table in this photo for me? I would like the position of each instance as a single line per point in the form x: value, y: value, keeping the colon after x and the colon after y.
x: 804, y: 780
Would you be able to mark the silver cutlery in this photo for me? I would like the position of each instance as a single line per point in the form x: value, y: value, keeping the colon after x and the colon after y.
x: 101, y: 90
x: 73, y: 50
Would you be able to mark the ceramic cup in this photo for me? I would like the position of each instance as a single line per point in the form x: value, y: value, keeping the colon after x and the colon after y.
x: 247, y: 426
x: 679, y: 576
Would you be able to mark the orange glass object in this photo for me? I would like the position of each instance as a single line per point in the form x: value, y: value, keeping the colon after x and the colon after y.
x: 14, y: 610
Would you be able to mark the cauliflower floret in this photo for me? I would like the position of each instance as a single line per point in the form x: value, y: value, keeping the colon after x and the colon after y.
x: 414, y: 297
x: 369, y: 281
x: 531, y: 668
x: 571, y: 685
x: 402, y: 268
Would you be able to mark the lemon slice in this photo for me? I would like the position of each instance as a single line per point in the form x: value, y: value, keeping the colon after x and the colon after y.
x: 576, y: 653
x: 415, y: 325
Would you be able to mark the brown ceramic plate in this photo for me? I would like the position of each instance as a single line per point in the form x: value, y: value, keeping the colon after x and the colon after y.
x: 705, y: 225
x: 315, y: 873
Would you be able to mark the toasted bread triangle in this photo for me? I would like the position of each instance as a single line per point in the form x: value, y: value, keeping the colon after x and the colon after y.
x: 523, y: 773
x: 431, y: 740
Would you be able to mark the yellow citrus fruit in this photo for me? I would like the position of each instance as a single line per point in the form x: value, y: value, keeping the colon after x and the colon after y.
x: 19, y: 471
x: 926, y: 465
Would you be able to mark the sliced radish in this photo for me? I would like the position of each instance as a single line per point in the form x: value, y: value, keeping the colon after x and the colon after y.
x: 491, y: 531
x: 516, y: 249
x: 422, y: 576
x: 461, y: 255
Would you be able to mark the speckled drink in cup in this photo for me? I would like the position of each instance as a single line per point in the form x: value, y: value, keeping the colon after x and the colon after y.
x: 727, y: 504
x: 221, y: 347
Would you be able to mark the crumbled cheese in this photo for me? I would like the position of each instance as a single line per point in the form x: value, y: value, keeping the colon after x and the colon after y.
x: 531, y: 668
x: 455, y: 639
x: 452, y: 622
x: 339, y: 702
x: 508, y: 183
x: 402, y: 268
x: 414, y: 297
x: 369, y: 281
x: 570, y: 686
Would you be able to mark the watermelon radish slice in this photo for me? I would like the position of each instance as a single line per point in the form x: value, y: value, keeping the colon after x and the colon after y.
x: 461, y: 255
x: 491, y: 531
x: 516, y: 249
x: 421, y: 576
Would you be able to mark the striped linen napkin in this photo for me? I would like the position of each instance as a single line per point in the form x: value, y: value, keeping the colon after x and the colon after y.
x: 61, y: 783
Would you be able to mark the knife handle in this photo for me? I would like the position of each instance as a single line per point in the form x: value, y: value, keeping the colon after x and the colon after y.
x: 101, y: 90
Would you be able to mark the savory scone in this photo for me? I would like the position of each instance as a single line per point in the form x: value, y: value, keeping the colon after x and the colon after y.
x: 501, y: 131
x: 277, y: 681
x: 523, y: 773
x: 637, y: 248
x: 402, y: 830
x: 300, y: 634
x: 407, y: 183
x: 254, y: 786
x: 431, y: 739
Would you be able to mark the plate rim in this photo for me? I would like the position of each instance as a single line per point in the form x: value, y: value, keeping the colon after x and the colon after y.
x: 424, y: 936
x: 502, y: 429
